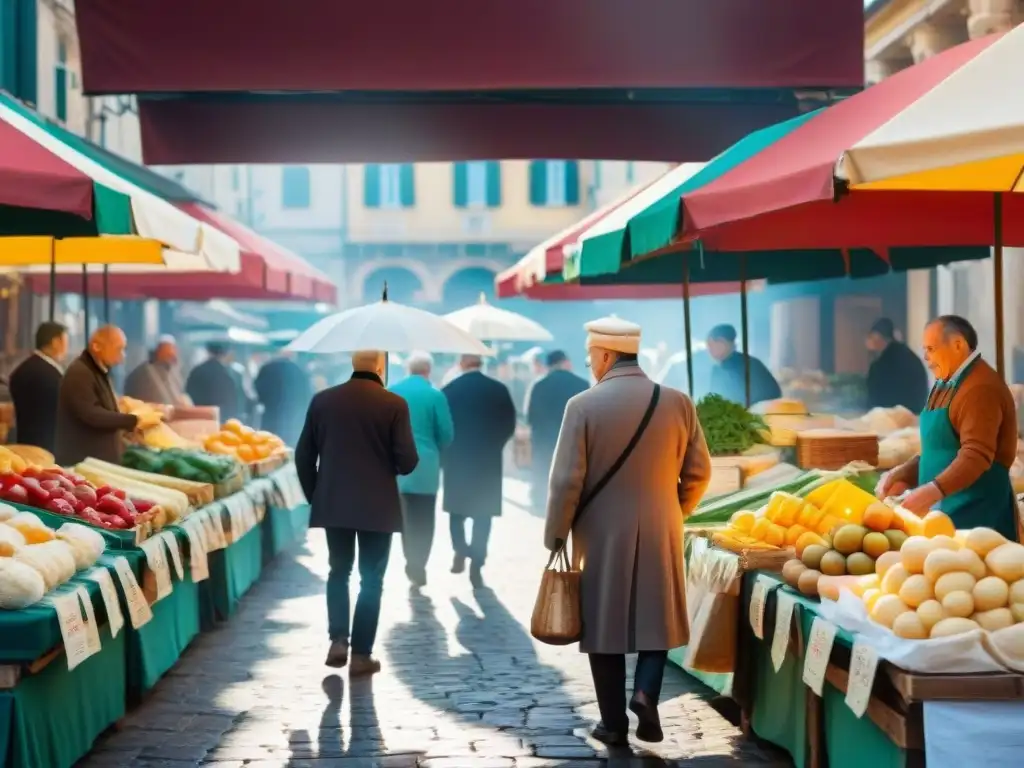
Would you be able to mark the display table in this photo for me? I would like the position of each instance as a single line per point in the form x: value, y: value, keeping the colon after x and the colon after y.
x: 282, y: 527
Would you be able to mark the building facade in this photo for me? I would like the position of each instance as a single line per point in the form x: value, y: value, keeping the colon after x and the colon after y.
x: 898, y: 34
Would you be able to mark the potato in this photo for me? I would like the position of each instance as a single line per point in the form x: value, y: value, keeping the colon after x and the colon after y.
x: 990, y: 593
x: 940, y: 562
x: 958, y: 605
x: 931, y: 613
x: 808, y: 582
x: 981, y: 541
x: 954, y: 626
x: 914, y: 552
x: 916, y: 590
x: 885, y: 562
x: 791, y: 572
x: 1006, y: 561
x: 998, y: 618
x: 887, y: 608
x: 894, y: 578
x: 958, y: 581
x: 1017, y: 591
x: 910, y: 627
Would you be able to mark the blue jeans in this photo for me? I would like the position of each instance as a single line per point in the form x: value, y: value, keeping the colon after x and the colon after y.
x: 374, y: 550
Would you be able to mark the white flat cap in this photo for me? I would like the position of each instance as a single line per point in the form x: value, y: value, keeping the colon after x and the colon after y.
x: 615, y: 334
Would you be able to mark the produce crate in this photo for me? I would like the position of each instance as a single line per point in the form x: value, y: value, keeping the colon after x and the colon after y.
x: 264, y: 467
x: 833, y: 449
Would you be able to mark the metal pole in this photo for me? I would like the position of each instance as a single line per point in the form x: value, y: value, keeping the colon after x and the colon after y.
x: 53, y: 279
x: 686, y: 324
x: 997, y: 268
x: 745, y: 323
x: 106, y: 294
x: 85, y: 299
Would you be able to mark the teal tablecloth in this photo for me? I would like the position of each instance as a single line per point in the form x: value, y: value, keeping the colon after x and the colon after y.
x: 232, y: 572
x: 282, y: 528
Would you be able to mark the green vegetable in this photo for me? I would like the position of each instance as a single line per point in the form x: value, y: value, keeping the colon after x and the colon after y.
x: 729, y: 428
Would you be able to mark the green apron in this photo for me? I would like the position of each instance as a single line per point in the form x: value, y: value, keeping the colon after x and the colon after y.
x: 990, y: 501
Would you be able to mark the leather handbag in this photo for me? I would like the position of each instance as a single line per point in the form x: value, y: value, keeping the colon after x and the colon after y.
x: 557, y: 614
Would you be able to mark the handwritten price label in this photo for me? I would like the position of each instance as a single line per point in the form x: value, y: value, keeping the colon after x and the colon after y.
x: 92, y: 627
x: 819, y: 651
x: 175, y: 551
x: 139, y: 612
x: 72, y: 627
x: 197, y: 558
x: 156, y: 560
x: 863, y: 666
x: 758, y: 597
x: 115, y: 619
x: 783, y: 622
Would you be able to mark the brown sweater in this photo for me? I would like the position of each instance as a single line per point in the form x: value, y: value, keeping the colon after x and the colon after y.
x: 984, y: 415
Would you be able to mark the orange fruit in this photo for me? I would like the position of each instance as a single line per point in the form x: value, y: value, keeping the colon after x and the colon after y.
x: 216, y: 446
x: 233, y: 425
x: 262, y: 450
x: 246, y: 453
x: 229, y: 438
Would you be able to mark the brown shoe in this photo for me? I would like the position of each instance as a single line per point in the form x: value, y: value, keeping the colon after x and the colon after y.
x: 363, y: 665
x: 337, y: 656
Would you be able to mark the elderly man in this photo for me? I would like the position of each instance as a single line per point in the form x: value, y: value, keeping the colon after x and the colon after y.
x: 896, y: 376
x: 547, y: 404
x: 433, y: 431
x: 356, y: 440
x: 35, y: 387
x: 89, y: 423
x: 485, y: 420
x: 968, y: 437
x: 728, y: 377
x: 630, y: 466
x: 157, y: 380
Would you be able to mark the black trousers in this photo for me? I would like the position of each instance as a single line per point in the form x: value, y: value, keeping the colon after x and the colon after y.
x: 417, y: 530
x: 609, y: 672
x: 476, y: 548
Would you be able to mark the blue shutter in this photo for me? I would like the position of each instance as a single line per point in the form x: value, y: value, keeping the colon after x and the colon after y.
x: 459, y: 185
x: 493, y: 184
x: 572, y: 182
x: 60, y: 93
x: 406, y: 186
x: 295, y: 187
x: 371, y: 186
x: 538, y: 183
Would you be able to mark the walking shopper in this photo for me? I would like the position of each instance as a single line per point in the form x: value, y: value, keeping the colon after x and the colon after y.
x: 547, y: 404
x: 356, y: 440
x: 485, y: 420
x: 433, y: 432
x: 631, y: 459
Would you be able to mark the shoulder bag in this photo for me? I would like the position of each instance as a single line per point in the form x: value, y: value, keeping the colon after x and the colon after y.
x: 557, y: 614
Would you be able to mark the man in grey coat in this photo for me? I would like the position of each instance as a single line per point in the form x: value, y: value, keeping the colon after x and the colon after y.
x: 631, y: 534
x: 356, y: 441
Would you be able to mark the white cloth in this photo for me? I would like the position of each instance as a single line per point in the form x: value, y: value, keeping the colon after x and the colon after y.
x: 50, y: 360
x: 963, y: 733
x: 615, y: 334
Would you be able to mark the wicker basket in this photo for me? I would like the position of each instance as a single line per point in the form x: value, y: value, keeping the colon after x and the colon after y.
x: 834, y: 449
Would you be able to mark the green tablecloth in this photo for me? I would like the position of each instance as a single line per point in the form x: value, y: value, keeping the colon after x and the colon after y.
x: 51, y: 719
x: 282, y: 528
x: 719, y: 682
x: 232, y: 572
x: 779, y: 714
x: 156, y: 647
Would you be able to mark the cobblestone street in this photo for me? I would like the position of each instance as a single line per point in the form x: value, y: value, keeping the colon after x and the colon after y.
x: 463, y: 684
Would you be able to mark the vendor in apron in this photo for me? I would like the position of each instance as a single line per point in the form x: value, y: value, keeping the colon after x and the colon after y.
x: 968, y: 437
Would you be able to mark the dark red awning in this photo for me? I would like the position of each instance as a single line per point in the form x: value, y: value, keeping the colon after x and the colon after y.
x: 151, y: 46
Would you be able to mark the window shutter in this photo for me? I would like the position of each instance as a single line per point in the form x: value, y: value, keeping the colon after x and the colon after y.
x: 538, y: 183
x: 60, y: 89
x: 371, y: 186
x: 493, y: 184
x: 459, y: 185
x: 572, y: 182
x: 407, y: 185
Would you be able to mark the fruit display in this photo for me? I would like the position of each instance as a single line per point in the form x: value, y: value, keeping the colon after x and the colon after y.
x: 41, y: 559
x: 173, y: 503
x: 106, y: 505
x: 244, y: 443
x: 947, y: 585
x: 729, y: 428
x: 189, y: 466
x: 162, y: 437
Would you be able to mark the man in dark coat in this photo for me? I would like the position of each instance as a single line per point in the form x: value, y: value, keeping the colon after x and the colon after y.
x: 35, y: 387
x: 356, y: 441
x: 896, y: 376
x: 546, y: 409
x: 285, y: 390
x: 213, y: 383
x: 89, y: 423
x: 728, y: 377
x: 485, y: 420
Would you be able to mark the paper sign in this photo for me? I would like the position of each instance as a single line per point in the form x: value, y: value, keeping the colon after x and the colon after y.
x: 172, y: 546
x: 197, y: 555
x: 139, y: 612
x: 214, y: 530
x: 863, y: 665
x: 156, y: 560
x: 757, y: 600
x: 72, y: 627
x: 92, y: 627
x: 115, y: 619
x: 783, y: 622
x: 819, y: 650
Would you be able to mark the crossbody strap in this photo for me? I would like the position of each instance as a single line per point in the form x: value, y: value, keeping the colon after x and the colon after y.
x: 623, y: 457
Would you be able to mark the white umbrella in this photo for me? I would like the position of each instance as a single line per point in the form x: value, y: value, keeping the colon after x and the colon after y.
x: 386, y: 326
x: 485, y: 321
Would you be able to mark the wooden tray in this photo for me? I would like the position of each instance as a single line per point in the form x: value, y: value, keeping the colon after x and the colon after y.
x: 832, y: 449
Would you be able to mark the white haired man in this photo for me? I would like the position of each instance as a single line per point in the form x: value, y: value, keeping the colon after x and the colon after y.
x: 356, y: 441
x: 433, y: 431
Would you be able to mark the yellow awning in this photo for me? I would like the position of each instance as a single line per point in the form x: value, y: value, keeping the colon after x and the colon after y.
x: 1000, y: 174
x: 42, y: 251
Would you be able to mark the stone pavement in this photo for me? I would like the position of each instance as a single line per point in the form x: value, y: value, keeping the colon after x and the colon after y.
x: 463, y: 684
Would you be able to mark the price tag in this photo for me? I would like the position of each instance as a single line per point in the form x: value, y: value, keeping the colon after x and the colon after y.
x: 139, y: 612
x: 214, y: 530
x: 172, y: 546
x: 819, y: 650
x: 156, y: 560
x: 783, y: 622
x: 758, y: 597
x: 92, y: 627
x: 198, y: 561
x: 115, y: 619
x: 863, y: 665
x: 72, y: 627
